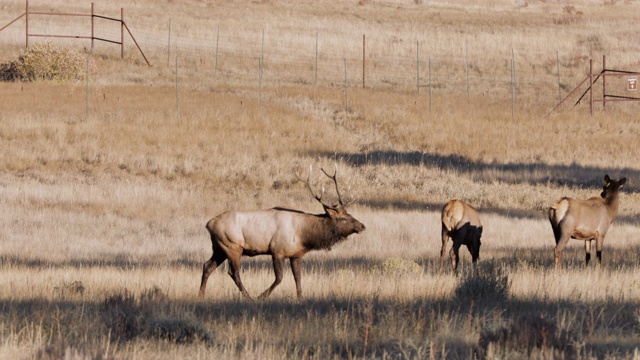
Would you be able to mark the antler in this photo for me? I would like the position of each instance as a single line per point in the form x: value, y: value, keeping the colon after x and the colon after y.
x: 335, y: 181
x: 319, y: 198
x: 308, y: 182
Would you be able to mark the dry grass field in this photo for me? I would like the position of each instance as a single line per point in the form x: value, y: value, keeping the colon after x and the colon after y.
x: 106, y: 185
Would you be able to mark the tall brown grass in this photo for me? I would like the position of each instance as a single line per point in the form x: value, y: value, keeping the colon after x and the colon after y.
x: 102, y: 213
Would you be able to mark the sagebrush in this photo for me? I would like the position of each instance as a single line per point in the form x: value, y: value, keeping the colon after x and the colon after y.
x: 48, y: 61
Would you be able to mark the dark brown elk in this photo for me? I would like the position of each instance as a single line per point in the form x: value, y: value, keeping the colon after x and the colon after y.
x: 460, y: 223
x: 585, y: 220
x: 279, y: 232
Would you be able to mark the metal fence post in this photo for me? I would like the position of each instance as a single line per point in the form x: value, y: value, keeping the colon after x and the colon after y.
x: 122, y: 33
x: 363, y: 58
x: 92, y: 25
x: 604, y: 89
x: 591, y: 86
x: 26, y: 20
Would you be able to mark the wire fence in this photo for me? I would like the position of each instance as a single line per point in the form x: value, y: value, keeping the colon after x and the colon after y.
x: 317, y: 59
x: 519, y: 77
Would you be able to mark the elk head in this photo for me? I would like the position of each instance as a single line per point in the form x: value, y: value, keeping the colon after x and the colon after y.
x: 344, y: 223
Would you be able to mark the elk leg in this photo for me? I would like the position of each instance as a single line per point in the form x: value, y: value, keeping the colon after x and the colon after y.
x: 599, y: 242
x: 587, y: 250
x: 454, y: 254
x: 234, y: 272
x: 295, y: 268
x: 473, y: 243
x: 216, y: 260
x: 445, y: 240
x: 557, y: 251
x: 277, y: 268
x: 474, y: 253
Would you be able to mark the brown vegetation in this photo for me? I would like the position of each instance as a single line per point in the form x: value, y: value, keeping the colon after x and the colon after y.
x: 101, y: 209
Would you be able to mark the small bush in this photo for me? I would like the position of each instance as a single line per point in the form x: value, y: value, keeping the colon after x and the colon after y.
x: 128, y: 318
x: 397, y: 266
x: 121, y: 315
x: 529, y: 335
x: 176, y: 330
x: 47, y: 61
x: 69, y: 289
x: 491, y: 286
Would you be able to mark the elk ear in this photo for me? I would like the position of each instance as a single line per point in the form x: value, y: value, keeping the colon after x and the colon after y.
x: 623, y: 181
x: 333, y: 213
x: 607, y: 178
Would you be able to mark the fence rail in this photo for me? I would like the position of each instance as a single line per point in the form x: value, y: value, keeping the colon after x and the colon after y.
x: 91, y: 37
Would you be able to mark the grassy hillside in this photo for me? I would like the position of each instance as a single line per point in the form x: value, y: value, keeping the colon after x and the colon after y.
x: 106, y: 184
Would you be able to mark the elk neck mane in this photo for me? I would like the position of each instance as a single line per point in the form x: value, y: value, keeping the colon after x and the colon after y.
x: 320, y: 233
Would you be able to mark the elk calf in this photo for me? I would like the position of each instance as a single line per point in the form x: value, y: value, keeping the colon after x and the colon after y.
x: 281, y: 233
x: 460, y: 223
x: 585, y: 219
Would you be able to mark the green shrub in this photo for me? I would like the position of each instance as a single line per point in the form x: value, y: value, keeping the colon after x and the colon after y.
x: 47, y: 61
x: 397, y: 266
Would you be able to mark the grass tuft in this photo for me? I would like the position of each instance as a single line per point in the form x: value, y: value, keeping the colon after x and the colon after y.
x: 484, y: 285
x: 397, y: 266
x: 128, y: 318
x: 532, y: 336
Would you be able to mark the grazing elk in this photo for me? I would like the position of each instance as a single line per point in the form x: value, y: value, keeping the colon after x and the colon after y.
x: 279, y: 232
x: 585, y: 219
x: 461, y: 223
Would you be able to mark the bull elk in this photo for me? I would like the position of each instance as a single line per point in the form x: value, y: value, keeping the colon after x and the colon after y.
x: 585, y: 219
x: 460, y: 223
x: 279, y: 232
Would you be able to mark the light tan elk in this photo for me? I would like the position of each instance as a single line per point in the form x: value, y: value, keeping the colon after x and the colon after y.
x: 585, y: 219
x: 281, y: 233
x: 460, y: 223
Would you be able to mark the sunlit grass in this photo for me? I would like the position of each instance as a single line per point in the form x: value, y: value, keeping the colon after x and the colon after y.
x: 102, y: 210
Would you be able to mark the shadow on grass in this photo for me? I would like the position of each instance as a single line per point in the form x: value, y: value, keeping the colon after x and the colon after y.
x: 328, y: 327
x: 539, y: 258
x: 513, y: 173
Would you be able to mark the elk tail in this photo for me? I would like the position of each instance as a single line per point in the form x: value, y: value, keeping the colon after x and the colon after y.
x: 452, y: 212
x: 557, y: 213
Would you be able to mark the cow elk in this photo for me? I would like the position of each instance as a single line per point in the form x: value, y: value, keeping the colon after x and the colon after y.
x: 585, y: 220
x: 460, y: 223
x: 279, y: 232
